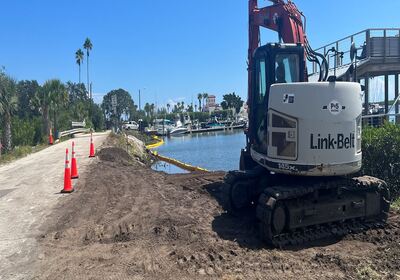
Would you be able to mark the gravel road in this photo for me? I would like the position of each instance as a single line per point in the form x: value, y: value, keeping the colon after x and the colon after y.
x: 29, y: 189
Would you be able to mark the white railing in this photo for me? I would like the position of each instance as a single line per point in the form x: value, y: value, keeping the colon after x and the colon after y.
x: 73, y: 131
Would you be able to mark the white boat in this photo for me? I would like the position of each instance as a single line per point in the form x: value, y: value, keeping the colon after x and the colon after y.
x: 178, y: 129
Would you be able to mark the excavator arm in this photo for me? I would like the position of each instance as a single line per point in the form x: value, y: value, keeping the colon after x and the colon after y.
x: 282, y: 17
x: 286, y: 19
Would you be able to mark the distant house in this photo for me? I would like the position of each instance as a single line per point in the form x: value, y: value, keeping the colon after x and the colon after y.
x: 211, y: 105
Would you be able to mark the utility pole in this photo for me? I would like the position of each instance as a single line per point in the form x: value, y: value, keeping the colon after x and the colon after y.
x: 139, y: 101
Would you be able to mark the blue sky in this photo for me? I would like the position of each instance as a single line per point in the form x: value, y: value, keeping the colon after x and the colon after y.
x: 174, y: 49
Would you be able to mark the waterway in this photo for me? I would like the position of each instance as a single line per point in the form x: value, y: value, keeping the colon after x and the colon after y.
x: 211, y: 150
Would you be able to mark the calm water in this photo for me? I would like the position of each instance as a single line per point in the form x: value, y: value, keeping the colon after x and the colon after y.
x: 212, y: 150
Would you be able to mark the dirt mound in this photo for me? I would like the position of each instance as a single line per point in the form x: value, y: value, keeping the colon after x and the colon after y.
x: 130, y: 222
x: 113, y: 154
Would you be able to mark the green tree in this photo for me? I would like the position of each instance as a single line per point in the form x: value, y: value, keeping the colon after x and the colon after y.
x: 88, y: 47
x: 124, y: 105
x: 205, y: 96
x: 152, y: 110
x: 147, y: 109
x: 231, y: 100
x: 8, y: 106
x: 200, y: 97
x: 26, y: 91
x: 79, y: 104
x: 58, y: 99
x: 97, y: 116
x: 79, y: 59
x: 51, y: 97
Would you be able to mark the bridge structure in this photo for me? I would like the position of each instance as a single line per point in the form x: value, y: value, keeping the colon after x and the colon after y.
x: 378, y: 57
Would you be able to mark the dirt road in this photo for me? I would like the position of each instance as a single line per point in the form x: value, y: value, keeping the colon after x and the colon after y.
x: 29, y: 189
x: 130, y: 222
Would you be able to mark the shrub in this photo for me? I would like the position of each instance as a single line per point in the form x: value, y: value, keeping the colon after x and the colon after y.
x: 26, y: 132
x: 381, y: 155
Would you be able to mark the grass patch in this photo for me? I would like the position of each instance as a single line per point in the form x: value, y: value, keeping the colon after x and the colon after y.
x: 396, y: 204
x: 367, y: 273
x: 20, y: 152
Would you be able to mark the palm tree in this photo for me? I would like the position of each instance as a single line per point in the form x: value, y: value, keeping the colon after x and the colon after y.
x: 147, y: 109
x: 79, y: 59
x: 168, y: 106
x: 199, y: 97
x: 152, y: 108
x: 51, y: 97
x: 8, y: 106
x: 88, y: 47
x: 205, y: 96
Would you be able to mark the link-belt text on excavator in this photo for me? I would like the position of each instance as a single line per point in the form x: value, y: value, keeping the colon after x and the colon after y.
x: 331, y: 142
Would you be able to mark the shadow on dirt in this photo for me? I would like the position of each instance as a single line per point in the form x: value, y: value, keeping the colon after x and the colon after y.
x: 243, y: 228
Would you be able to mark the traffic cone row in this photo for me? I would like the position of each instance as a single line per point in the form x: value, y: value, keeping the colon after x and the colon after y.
x: 71, y: 172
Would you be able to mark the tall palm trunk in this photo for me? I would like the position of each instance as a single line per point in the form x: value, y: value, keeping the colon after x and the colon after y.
x: 7, y: 132
x: 79, y: 73
x: 88, y: 89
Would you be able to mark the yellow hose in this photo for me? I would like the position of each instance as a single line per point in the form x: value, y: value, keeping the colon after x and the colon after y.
x: 178, y: 163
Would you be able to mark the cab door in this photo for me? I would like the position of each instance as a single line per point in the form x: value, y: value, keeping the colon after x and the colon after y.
x: 259, y: 107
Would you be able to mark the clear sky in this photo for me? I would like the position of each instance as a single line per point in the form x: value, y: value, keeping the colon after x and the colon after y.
x: 172, y: 50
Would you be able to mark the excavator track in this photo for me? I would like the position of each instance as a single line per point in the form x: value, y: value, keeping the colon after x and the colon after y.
x: 293, y: 214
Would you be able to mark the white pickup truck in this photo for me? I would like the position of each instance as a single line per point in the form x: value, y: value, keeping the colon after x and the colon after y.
x: 131, y: 125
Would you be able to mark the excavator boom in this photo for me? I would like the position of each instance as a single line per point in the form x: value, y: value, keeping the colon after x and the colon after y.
x: 281, y: 17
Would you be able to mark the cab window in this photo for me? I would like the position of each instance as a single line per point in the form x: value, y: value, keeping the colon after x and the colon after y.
x: 287, y: 68
x: 262, y: 81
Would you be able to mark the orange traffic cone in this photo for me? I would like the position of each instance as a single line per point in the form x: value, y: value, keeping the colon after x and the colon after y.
x: 74, y: 167
x: 91, y: 153
x: 50, y: 138
x: 67, y: 176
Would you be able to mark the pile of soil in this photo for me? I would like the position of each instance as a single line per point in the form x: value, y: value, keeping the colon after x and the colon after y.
x: 114, y: 154
x: 130, y: 222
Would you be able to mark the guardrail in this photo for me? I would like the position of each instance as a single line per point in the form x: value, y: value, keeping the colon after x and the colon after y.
x: 73, y: 131
x: 373, y: 42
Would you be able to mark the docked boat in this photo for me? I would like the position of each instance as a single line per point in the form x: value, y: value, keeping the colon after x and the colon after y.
x: 163, y: 126
x: 179, y: 129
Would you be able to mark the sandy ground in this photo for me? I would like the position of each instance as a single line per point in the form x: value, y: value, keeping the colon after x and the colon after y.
x: 29, y: 189
x: 127, y: 221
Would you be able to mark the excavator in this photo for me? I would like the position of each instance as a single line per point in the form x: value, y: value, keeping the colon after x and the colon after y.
x: 303, y: 142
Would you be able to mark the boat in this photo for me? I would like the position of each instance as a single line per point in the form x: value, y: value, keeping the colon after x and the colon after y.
x: 179, y: 129
x: 163, y: 126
